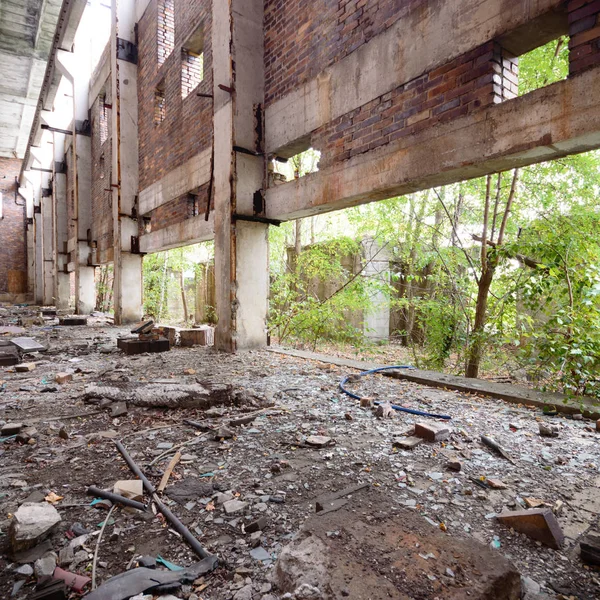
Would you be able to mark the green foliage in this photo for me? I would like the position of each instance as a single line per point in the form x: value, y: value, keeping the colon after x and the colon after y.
x: 315, y: 297
x: 544, y: 65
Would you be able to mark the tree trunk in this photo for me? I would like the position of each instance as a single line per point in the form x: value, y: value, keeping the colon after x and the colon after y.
x: 183, y: 297
x: 476, y: 351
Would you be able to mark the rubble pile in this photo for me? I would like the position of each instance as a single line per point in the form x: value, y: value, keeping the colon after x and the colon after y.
x: 290, y: 488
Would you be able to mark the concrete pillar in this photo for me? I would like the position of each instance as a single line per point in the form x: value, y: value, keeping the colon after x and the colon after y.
x: 128, y: 289
x: 76, y: 67
x: 376, y: 321
x: 38, y: 234
x: 241, y: 247
x: 48, y: 251
x: 62, y: 284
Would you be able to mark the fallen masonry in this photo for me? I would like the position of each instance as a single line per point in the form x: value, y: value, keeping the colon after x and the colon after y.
x: 293, y: 487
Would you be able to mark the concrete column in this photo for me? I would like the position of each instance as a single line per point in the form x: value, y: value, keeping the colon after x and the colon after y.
x: 48, y: 251
x: 76, y: 67
x: 241, y: 247
x: 128, y: 289
x: 377, y: 265
x: 62, y: 284
x: 38, y: 234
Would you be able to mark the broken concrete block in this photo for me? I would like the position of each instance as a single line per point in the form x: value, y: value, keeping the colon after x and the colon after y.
x: 407, y: 443
x: 62, y: 378
x: 10, y: 429
x: 454, y: 465
x: 25, y: 367
x: 590, y: 549
x: 319, y: 441
x: 233, y: 506
x: 135, y: 346
x: 432, y: 432
x: 26, y: 345
x: 257, y: 525
x: 32, y: 523
x: 496, y: 484
x: 130, y: 488
x: 143, y: 327
x: 9, y: 356
x: 539, y: 524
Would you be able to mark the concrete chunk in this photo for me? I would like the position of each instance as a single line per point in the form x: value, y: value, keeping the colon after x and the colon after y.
x: 407, y: 443
x: 539, y: 524
x: 32, y: 523
x: 25, y: 367
x: 62, y: 378
x: 25, y: 344
x: 233, y: 506
x: 432, y: 432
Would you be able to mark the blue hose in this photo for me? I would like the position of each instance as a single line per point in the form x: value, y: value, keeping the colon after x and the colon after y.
x: 411, y: 411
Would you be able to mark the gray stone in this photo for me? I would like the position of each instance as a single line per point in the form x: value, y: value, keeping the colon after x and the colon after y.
x: 260, y: 554
x: 32, y: 523
x: 118, y: 409
x: 233, y: 506
x: 25, y: 570
x: 44, y: 567
x: 10, y: 429
x: 244, y: 593
x: 308, y: 592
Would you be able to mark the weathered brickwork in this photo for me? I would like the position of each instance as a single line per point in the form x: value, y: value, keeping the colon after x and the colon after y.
x: 102, y: 217
x: 301, y: 42
x: 177, y: 210
x: 186, y: 125
x: 473, y: 81
x: 584, y: 31
x: 13, y: 245
x: 165, y: 29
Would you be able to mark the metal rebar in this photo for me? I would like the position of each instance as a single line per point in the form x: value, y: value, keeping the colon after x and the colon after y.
x: 177, y: 525
x: 115, y: 498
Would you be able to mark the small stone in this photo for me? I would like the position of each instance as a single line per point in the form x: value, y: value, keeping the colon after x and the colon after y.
x: 25, y: 367
x: 578, y: 417
x: 407, y: 443
x: 10, y: 429
x: 319, y: 441
x: 257, y: 525
x: 118, y: 409
x: 25, y: 570
x: 221, y: 498
x: 348, y: 417
x: 44, y: 567
x: 62, y: 378
x: 149, y: 562
x: 224, y: 433
x: 244, y: 593
x: 165, y: 446
x: 598, y: 425
x: 384, y: 411
x: 233, y: 506
x: 454, y: 465
x: 432, y: 432
x: 260, y: 554
x: 496, y: 484
x: 366, y: 402
x: 549, y: 430
x: 63, y: 434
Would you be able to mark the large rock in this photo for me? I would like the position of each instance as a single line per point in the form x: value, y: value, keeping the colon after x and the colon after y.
x: 341, y: 553
x: 31, y: 524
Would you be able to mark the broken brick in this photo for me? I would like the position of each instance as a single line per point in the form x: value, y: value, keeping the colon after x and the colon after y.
x: 539, y: 524
x: 25, y: 367
x: 432, y: 432
x: 408, y: 443
x: 62, y: 378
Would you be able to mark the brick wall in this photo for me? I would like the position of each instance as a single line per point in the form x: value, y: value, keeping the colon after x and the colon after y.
x: 295, y: 48
x: 186, y: 128
x: 177, y: 210
x: 471, y: 82
x: 102, y: 217
x: 584, y: 31
x: 13, y: 245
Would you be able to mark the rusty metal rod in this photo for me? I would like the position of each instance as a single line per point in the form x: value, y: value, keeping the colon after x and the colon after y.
x: 115, y: 498
x: 177, y: 525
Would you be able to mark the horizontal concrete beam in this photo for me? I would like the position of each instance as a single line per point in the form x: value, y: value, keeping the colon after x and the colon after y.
x: 190, y: 231
x: 189, y: 176
x: 428, y: 35
x: 549, y: 123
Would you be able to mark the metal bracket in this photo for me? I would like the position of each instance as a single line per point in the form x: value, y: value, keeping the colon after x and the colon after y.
x: 135, y: 244
x: 60, y: 167
x: 255, y: 219
x: 127, y: 51
x: 83, y: 128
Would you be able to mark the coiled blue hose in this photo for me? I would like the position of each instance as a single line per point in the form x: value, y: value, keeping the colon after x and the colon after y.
x: 411, y: 411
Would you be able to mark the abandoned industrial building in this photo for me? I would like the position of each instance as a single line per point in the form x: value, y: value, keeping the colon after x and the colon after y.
x: 300, y: 299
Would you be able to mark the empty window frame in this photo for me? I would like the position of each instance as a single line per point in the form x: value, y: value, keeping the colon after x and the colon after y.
x: 192, y: 62
x: 165, y: 29
x: 160, y: 106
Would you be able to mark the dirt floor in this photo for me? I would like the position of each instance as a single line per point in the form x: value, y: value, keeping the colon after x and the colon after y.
x: 268, y: 466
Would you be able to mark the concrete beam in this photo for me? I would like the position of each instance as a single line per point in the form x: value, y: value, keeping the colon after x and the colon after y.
x: 549, y: 123
x: 427, y: 35
x: 185, y: 178
x: 190, y: 231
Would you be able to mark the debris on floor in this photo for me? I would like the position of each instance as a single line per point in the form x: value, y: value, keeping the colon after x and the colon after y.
x: 292, y: 488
